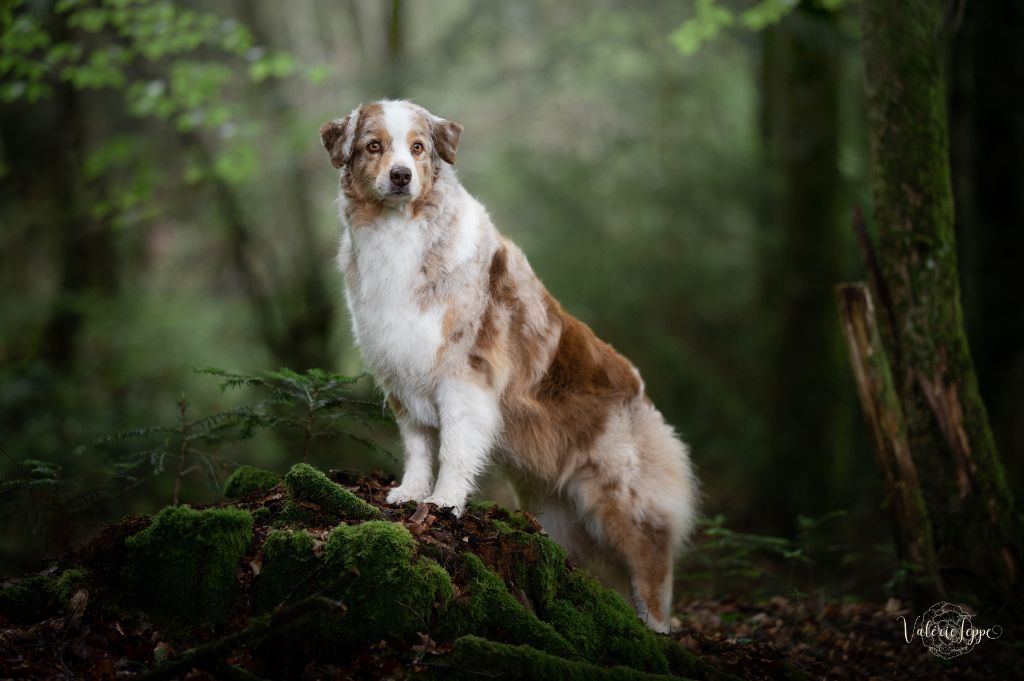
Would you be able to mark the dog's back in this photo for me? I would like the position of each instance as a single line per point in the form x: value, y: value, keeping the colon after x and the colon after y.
x: 479, y: 359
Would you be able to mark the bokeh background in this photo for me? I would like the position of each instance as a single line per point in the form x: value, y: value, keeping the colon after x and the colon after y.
x: 680, y: 180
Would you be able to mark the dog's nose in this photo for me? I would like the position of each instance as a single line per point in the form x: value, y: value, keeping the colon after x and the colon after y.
x: 401, y: 176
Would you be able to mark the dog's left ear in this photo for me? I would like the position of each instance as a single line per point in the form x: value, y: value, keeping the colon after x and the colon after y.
x: 445, y: 136
x: 337, y: 137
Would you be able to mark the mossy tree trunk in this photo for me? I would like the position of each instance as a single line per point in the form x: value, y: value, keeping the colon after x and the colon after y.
x: 987, y: 118
x: 976, y: 532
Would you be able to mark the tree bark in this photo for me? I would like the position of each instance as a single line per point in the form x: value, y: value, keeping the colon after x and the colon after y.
x: 976, y: 532
x: 884, y: 416
x: 801, y: 257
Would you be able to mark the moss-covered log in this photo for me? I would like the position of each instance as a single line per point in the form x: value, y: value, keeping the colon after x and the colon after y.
x: 310, y: 491
x: 977, y: 533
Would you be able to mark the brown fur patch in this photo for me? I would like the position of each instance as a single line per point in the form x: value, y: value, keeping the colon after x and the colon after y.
x: 550, y: 420
x: 584, y: 381
x: 331, y: 137
x: 397, y: 408
x: 445, y: 136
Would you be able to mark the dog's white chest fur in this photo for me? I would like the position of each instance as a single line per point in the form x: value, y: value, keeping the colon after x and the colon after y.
x: 398, y: 337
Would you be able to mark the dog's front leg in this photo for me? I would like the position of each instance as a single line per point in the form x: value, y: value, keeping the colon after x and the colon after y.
x: 419, y: 443
x: 470, y: 419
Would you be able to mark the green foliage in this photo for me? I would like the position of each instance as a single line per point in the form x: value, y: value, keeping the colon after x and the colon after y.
x: 732, y: 558
x: 311, y: 403
x: 711, y: 18
x: 181, y: 569
x: 246, y: 480
x: 316, y: 404
x: 737, y: 562
x: 139, y: 34
x: 308, y: 487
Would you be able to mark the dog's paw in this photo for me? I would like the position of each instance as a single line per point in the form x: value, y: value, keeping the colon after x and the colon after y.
x: 442, y: 502
x: 404, y: 493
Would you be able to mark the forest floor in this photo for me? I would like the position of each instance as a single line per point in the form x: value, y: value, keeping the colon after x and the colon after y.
x: 752, y: 640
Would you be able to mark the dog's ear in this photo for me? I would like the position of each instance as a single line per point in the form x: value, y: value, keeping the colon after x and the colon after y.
x: 337, y: 137
x: 445, y: 136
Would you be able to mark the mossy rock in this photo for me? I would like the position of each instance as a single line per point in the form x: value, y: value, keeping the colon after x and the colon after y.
x: 312, y: 493
x: 246, y: 480
x: 181, y: 569
x: 520, y: 609
x: 36, y: 598
x: 595, y: 620
x: 389, y: 591
x: 289, y: 561
x: 487, y: 607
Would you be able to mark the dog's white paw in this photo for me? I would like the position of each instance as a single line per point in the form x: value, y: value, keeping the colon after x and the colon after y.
x: 404, y: 493
x: 443, y: 502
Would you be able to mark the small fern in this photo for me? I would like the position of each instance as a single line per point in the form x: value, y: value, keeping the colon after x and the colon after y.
x: 315, y: 404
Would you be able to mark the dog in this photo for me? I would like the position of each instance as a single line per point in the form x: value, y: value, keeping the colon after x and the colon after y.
x: 481, y: 363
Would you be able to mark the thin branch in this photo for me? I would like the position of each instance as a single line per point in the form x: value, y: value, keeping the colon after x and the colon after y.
x: 183, y: 450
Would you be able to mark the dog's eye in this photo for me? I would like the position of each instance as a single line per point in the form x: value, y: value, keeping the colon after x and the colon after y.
x: 373, y: 146
x: 417, y: 147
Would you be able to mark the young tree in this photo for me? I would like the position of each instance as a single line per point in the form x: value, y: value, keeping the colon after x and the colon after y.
x: 976, y: 531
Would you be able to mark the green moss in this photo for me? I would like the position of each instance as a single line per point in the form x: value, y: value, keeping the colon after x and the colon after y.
x: 288, y: 562
x: 479, y: 507
x: 39, y: 597
x: 474, y: 658
x: 261, y: 515
x: 307, y: 484
x: 600, y: 623
x: 519, y: 521
x: 595, y: 620
x: 246, y: 480
x: 181, y: 569
x: 389, y: 592
x: 539, y: 569
x: 69, y: 582
x: 488, y: 607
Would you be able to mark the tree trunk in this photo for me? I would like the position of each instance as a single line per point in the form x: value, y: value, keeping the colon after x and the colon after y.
x: 987, y: 117
x: 976, y: 532
x: 395, y: 69
x: 802, y: 261
x: 87, y: 255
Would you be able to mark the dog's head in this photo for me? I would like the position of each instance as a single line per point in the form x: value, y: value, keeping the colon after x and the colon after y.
x: 392, y: 150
